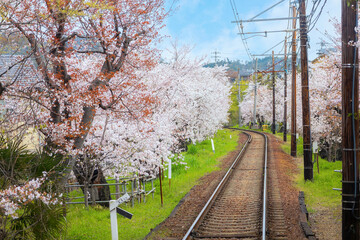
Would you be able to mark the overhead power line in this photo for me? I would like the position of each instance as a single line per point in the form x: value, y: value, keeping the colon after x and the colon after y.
x: 315, y: 13
x: 240, y: 28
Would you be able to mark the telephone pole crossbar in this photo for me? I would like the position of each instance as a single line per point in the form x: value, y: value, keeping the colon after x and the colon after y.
x: 265, y: 20
x: 271, y: 31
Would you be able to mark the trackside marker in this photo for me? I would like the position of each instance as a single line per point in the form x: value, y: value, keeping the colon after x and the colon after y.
x: 212, y: 145
x: 113, y: 218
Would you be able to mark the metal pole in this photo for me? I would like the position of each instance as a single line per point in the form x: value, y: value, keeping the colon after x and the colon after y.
x: 350, y: 123
x: 161, y: 191
x: 285, y: 92
x: 255, y: 91
x: 293, y: 89
x: 117, y: 188
x: 273, y: 88
x: 308, y: 165
x: 239, y: 98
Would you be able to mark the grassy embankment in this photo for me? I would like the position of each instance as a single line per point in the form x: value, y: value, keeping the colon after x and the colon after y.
x: 95, y: 223
x: 318, y: 192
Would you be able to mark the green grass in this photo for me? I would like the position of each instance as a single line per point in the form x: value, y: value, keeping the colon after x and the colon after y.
x: 319, y: 192
x: 95, y: 223
x: 286, y: 147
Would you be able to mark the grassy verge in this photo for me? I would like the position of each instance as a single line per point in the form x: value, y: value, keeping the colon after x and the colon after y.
x: 318, y: 192
x: 95, y: 222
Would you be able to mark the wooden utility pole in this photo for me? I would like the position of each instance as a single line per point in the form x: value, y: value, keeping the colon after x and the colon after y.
x: 293, y: 88
x: 308, y: 165
x: 161, y: 190
x: 255, y: 91
x: 350, y: 123
x: 285, y: 92
x: 273, y: 87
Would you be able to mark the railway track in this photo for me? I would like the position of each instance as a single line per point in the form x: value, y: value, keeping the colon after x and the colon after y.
x: 238, y: 207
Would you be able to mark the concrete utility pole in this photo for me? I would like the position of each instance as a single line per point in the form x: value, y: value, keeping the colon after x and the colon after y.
x: 285, y: 91
x: 308, y: 165
x: 239, y: 96
x: 255, y: 90
x: 273, y: 87
x: 350, y: 123
x: 293, y: 88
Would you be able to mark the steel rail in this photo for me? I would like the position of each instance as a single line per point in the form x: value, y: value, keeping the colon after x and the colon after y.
x: 265, y: 184
x: 218, y: 188
x: 264, y: 207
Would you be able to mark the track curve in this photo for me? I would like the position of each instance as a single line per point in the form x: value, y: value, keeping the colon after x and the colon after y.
x: 235, y: 212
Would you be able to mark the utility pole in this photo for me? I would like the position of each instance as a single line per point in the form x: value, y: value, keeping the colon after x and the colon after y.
x: 239, y: 96
x: 273, y: 87
x: 285, y: 91
x: 308, y: 165
x: 350, y: 123
x: 293, y: 88
x: 255, y: 91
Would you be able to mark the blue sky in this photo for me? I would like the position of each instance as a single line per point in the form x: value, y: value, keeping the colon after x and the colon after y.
x: 205, y: 25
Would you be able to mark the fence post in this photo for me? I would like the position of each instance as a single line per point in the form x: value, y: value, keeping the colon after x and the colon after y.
x: 86, y: 199
x: 152, y: 187
x: 132, y: 193
x: 117, y: 188
x: 93, y: 199
x: 139, y: 190
x: 144, y: 190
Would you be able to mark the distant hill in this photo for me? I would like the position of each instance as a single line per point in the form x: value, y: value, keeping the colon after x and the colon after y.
x: 247, y: 68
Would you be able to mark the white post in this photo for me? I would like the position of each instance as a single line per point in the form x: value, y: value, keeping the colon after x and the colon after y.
x: 212, y: 145
x: 113, y: 216
x: 113, y: 219
x: 169, y: 169
x: 315, y: 147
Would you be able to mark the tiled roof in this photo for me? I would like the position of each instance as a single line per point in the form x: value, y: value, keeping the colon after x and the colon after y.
x: 23, y: 72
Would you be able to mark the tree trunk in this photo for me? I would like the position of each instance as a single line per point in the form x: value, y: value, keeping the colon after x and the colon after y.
x: 93, y: 175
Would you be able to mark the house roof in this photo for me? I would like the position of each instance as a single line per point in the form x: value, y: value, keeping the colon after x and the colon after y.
x: 13, y: 69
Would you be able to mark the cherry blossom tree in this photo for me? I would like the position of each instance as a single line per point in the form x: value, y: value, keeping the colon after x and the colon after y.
x: 191, y: 104
x: 98, y: 96
x: 87, y: 56
x: 264, y: 109
x: 325, y: 97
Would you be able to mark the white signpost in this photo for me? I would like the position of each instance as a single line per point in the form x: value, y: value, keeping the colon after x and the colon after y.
x: 169, y: 174
x: 315, y: 151
x: 315, y: 147
x: 212, y: 145
x: 113, y: 218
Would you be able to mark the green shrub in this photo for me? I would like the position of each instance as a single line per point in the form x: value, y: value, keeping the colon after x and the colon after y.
x: 35, y: 220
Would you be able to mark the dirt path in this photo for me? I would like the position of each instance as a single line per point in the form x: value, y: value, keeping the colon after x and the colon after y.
x: 324, y: 222
x: 286, y: 168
